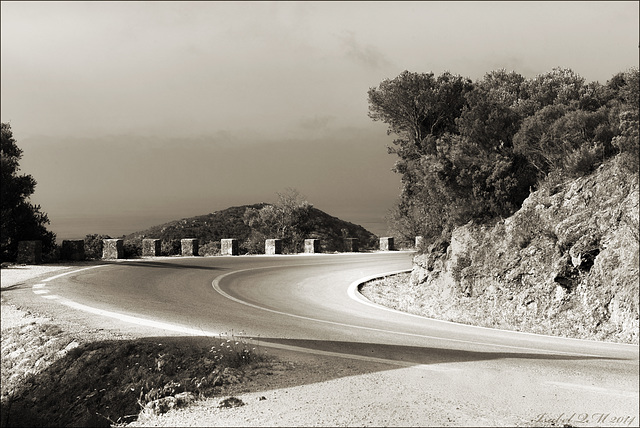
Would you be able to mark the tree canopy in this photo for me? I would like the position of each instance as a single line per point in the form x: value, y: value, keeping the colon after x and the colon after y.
x: 20, y: 220
x: 287, y: 219
x: 474, y: 150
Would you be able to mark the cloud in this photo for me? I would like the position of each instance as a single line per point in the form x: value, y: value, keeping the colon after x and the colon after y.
x: 367, y: 55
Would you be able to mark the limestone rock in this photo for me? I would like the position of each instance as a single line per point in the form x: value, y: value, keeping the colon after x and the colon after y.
x: 566, y: 262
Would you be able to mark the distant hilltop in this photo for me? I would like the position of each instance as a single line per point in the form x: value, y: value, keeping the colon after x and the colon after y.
x: 240, y: 223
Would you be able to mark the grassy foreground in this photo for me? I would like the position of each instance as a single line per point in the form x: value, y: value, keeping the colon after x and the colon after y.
x: 51, y: 378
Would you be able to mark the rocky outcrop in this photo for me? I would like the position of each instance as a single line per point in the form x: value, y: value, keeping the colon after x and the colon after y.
x: 566, y: 263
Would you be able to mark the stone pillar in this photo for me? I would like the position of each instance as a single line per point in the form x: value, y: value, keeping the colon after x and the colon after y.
x: 72, y: 250
x: 151, y: 247
x: 312, y: 246
x: 229, y: 247
x: 419, y: 241
x: 273, y: 246
x: 386, y: 244
x: 112, y: 249
x: 189, y: 247
x: 351, y: 245
x: 29, y: 252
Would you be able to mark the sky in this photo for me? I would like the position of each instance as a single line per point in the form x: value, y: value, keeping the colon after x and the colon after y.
x: 132, y: 114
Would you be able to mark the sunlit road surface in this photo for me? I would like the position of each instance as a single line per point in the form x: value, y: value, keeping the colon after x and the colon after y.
x: 302, y: 302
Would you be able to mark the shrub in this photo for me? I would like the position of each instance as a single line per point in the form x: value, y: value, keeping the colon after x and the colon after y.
x: 627, y: 142
x: 254, y: 244
x: 132, y: 249
x: 583, y: 161
x: 53, y: 255
x: 171, y: 247
x: 114, y: 379
x: 211, y: 248
x: 93, y: 246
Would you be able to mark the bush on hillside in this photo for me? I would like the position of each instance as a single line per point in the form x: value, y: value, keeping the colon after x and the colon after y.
x: 93, y: 246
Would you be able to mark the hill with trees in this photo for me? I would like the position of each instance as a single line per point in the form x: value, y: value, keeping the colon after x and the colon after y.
x: 291, y: 218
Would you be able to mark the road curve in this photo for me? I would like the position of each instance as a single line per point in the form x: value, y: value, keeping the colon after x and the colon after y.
x: 303, y: 302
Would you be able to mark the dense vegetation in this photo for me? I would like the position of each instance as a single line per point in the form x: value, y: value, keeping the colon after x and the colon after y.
x: 290, y: 218
x: 475, y: 150
x: 20, y: 220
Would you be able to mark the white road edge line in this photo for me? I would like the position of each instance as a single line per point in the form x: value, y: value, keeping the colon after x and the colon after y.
x: 139, y: 321
x: 437, y: 367
x: 72, y: 272
x: 196, y: 332
x: 216, y: 287
x: 200, y: 332
x: 355, y: 294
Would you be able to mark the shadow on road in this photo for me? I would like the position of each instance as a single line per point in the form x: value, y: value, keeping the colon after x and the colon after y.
x: 18, y: 286
x: 164, y: 265
x: 104, y: 381
x: 417, y: 355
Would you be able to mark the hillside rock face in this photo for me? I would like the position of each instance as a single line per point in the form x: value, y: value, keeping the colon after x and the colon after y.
x: 565, y: 263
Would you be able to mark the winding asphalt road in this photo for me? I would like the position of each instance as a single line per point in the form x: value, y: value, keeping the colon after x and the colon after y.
x: 310, y: 303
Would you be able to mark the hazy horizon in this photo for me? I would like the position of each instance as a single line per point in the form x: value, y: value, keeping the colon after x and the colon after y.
x: 131, y: 114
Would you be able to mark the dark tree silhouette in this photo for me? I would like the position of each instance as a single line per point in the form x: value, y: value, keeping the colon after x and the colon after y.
x: 20, y: 220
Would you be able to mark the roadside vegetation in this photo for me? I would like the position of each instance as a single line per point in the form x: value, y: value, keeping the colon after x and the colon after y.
x: 50, y: 377
x: 290, y: 218
x: 525, y: 191
x: 474, y: 151
x: 20, y: 220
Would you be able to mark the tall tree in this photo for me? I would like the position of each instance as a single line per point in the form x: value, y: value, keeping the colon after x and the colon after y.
x: 455, y: 148
x: 558, y: 86
x: 287, y: 219
x: 419, y: 108
x: 20, y: 220
x: 491, y: 117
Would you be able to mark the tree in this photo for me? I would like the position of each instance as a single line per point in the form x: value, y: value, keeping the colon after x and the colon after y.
x: 20, y: 220
x: 559, y: 86
x: 455, y: 148
x: 569, y: 142
x: 473, y: 151
x: 491, y: 118
x: 419, y: 109
x: 416, y: 106
x: 287, y: 219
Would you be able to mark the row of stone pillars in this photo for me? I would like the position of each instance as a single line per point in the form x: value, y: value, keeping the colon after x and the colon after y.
x: 30, y: 252
x: 113, y: 248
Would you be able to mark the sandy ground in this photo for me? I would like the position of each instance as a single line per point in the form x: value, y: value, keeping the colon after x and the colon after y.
x: 17, y: 275
x: 304, y: 389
